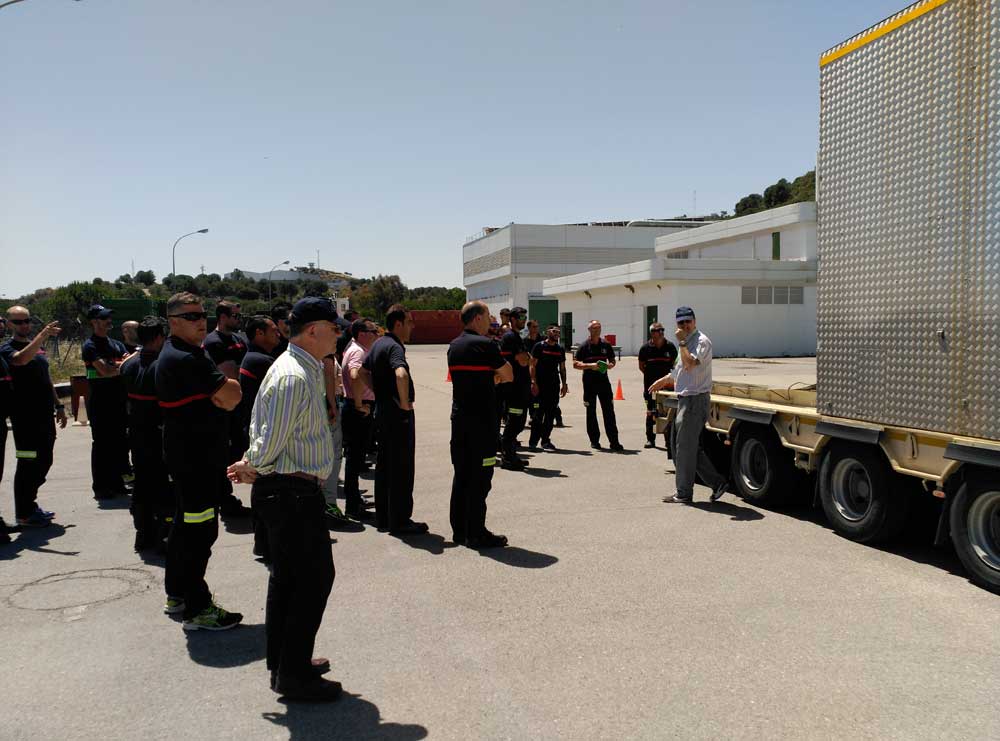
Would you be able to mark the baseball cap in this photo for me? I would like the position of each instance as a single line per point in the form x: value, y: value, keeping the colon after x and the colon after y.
x: 313, y: 309
x: 99, y: 312
x: 684, y: 312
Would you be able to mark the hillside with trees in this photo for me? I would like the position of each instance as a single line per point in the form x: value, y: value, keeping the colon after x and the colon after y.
x: 781, y: 193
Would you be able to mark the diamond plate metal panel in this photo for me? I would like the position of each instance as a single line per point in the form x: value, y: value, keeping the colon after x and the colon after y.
x: 907, y: 223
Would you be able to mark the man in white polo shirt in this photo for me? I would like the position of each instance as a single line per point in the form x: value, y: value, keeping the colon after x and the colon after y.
x: 692, y: 376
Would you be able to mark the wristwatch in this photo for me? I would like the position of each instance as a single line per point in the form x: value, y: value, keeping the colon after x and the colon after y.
x: 683, y: 343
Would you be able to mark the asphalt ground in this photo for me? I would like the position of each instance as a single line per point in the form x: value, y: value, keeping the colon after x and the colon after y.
x: 611, y: 615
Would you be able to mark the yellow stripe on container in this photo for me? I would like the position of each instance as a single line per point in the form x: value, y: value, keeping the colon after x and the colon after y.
x: 879, y: 32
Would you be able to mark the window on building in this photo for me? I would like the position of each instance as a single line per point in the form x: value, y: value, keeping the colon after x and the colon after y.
x: 748, y: 295
x: 775, y: 245
x: 781, y: 294
x: 764, y: 294
x: 678, y: 255
x: 795, y: 294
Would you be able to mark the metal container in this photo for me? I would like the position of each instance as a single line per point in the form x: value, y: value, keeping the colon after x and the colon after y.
x: 908, y: 223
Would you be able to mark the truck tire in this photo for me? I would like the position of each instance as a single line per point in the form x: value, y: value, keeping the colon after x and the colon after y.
x: 860, y: 493
x: 762, y: 468
x: 975, y: 530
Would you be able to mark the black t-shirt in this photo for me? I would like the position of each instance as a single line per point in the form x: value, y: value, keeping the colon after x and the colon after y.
x: 548, y: 359
x: 221, y: 347
x: 130, y: 348
x: 111, y: 352
x: 589, y: 352
x: 511, y: 344
x: 472, y: 359
x: 281, y: 347
x: 385, y: 356
x: 195, y: 431
x: 343, y: 341
x: 138, y: 374
x: 6, y: 389
x: 252, y: 372
x: 31, y: 383
x: 659, y: 362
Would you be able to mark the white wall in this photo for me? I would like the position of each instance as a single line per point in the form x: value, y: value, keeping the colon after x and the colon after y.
x: 735, y: 329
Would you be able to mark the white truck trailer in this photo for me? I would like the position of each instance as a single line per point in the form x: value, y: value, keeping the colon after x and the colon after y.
x: 907, y: 394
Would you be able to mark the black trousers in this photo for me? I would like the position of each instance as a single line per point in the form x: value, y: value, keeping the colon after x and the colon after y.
x: 152, y: 498
x: 106, y: 411
x: 195, y: 528
x: 473, y: 458
x: 394, y: 468
x: 302, y: 571
x: 3, y: 442
x: 594, y: 389
x: 541, y: 428
x: 34, y: 441
x: 518, y: 400
x: 357, y: 429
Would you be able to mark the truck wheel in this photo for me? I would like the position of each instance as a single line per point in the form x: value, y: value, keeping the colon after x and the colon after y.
x: 975, y: 531
x: 762, y: 467
x: 860, y: 494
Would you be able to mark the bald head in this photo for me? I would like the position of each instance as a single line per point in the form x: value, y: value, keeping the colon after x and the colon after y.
x: 18, y: 312
x: 130, y: 331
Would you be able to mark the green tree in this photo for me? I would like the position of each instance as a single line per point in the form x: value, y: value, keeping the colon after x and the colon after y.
x: 386, y: 290
x: 315, y: 288
x: 749, y: 204
x: 777, y: 194
x: 804, y: 187
x: 146, y: 277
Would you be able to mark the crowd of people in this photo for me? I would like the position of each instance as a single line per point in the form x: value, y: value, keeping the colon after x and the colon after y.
x: 177, y: 415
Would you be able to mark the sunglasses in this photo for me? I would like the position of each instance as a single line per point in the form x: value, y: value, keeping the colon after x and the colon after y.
x: 191, y: 316
x: 657, y: 331
x: 19, y: 321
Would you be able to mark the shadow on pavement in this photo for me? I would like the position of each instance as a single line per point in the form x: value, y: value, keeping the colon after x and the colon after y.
x: 35, y: 539
x: 244, y: 644
x: 544, y: 473
x: 519, y: 557
x: 122, y: 501
x: 562, y: 451
x: 350, y: 717
x: 735, y: 511
x: 430, y: 542
x: 237, y: 525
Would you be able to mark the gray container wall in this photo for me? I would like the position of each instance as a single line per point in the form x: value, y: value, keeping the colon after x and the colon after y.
x: 908, y: 303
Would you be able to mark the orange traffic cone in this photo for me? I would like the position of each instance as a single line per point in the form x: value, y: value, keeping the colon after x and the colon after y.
x: 619, y: 396
x: 448, y: 379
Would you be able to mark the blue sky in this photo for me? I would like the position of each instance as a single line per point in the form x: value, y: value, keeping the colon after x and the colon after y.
x: 383, y: 133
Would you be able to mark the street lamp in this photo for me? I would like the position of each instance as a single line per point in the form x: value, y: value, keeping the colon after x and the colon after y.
x: 269, y: 272
x: 173, y: 252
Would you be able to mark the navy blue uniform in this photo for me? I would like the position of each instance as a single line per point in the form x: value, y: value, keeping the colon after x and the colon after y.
x: 252, y: 371
x: 597, y: 386
x: 394, y: 429
x: 472, y: 361
x: 195, y: 447
x: 6, y: 394
x: 547, y: 357
x: 32, y: 417
x: 108, y: 418
x: 517, y: 392
x: 151, y: 499
x: 659, y: 362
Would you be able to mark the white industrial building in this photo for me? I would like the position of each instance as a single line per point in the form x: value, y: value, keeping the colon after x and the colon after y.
x: 505, y: 267
x: 750, y: 280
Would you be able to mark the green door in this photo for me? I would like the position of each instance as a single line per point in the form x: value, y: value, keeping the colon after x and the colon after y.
x: 652, y: 315
x: 545, y: 311
x: 567, y: 329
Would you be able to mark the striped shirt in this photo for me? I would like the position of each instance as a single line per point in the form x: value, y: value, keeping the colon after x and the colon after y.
x: 698, y: 380
x: 288, y: 427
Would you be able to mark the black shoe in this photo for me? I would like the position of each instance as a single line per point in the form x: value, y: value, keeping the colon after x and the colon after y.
x: 596, y: 446
x: 674, y: 499
x: 718, y: 491
x: 651, y: 443
x: 318, y: 666
x: 458, y: 539
x: 360, y: 514
x: 4, y: 535
x: 547, y: 445
x: 316, y: 689
x: 234, y: 510
x: 337, y: 521
x: 617, y: 448
x: 487, y: 540
x: 144, y: 541
x: 410, y: 528
x: 533, y: 447
x: 513, y: 464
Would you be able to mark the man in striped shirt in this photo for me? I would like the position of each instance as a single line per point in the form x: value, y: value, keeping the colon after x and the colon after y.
x: 290, y: 455
x: 194, y: 397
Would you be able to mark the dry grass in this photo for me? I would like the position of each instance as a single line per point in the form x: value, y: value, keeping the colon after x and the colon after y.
x: 69, y: 363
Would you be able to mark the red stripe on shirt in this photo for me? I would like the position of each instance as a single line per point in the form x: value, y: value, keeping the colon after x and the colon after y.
x: 182, y: 402
x: 248, y: 374
x: 470, y: 368
x: 142, y: 397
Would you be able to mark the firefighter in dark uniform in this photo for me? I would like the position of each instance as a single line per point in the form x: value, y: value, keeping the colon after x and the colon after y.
x: 152, y: 502
x: 595, y: 357
x: 476, y: 367
x: 517, y: 393
x: 31, y: 413
x: 279, y: 315
x: 226, y: 348
x: 263, y: 339
x: 548, y: 385
x: 194, y: 397
x: 656, y: 359
x: 533, y: 338
x: 386, y: 372
x: 6, y: 395
x: 102, y: 356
